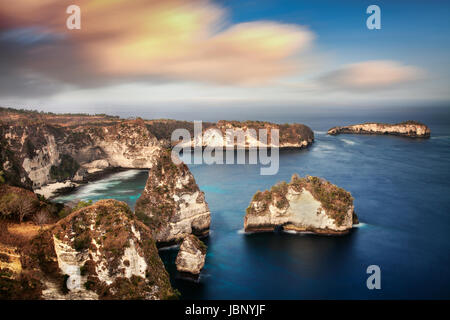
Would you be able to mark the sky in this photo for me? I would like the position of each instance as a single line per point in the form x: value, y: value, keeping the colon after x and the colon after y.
x: 185, y: 55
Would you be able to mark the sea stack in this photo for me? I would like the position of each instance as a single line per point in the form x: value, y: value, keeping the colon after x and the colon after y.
x: 412, y: 129
x: 308, y: 204
x: 172, y: 204
x: 191, y: 257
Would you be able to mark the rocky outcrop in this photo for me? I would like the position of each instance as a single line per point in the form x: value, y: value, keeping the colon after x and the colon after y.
x: 410, y: 129
x: 224, y: 133
x: 36, y: 154
x: 42, y: 149
x: 128, y: 144
x: 100, y: 252
x: 191, y: 257
x: 172, y: 204
x: 305, y: 204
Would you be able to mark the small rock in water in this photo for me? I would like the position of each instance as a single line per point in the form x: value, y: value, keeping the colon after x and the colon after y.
x: 191, y: 257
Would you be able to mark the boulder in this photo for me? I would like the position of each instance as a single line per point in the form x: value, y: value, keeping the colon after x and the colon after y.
x: 191, y: 257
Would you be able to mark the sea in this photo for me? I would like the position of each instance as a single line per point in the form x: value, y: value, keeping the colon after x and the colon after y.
x: 401, y: 188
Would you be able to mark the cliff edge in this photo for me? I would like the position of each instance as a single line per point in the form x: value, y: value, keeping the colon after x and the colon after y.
x: 291, y: 136
x: 99, y: 252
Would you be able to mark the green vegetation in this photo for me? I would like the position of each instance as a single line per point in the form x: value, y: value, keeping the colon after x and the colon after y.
x: 162, y: 129
x: 114, y: 222
x: 82, y: 242
x: 82, y: 204
x: 334, y: 200
x: 202, y: 246
x: 37, y: 112
x: 66, y: 169
x: 411, y: 122
x: 156, y: 206
x: 289, y: 133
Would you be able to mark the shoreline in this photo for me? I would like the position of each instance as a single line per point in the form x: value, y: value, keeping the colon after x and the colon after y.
x: 51, y: 191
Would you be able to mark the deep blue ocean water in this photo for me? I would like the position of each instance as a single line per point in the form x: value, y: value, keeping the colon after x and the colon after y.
x: 401, y: 188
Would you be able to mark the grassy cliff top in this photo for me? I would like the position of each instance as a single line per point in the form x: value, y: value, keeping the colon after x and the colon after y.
x: 112, y: 226
x: 334, y: 200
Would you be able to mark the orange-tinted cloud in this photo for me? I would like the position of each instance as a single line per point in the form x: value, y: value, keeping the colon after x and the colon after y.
x: 154, y: 40
x: 370, y: 75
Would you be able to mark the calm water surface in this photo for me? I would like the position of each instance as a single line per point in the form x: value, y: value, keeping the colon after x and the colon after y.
x: 401, y: 188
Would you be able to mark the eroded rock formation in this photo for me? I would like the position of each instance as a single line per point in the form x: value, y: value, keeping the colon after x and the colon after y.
x: 191, y: 257
x: 411, y: 129
x: 99, y: 252
x: 305, y: 204
x: 215, y: 135
x: 172, y: 204
x: 35, y: 154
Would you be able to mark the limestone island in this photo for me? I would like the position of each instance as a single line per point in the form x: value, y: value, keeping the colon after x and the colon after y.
x: 412, y: 129
x: 308, y: 204
x: 214, y: 135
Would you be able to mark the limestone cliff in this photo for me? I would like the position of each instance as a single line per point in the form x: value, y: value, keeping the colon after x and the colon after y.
x: 290, y: 135
x: 305, y: 204
x: 36, y: 154
x: 191, y: 257
x: 172, y: 204
x: 411, y: 129
x: 99, y: 252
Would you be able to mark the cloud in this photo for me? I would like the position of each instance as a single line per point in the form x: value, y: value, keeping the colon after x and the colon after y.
x: 141, y: 40
x: 371, y: 75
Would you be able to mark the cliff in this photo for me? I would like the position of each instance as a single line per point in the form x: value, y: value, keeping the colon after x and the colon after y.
x: 410, y: 129
x: 38, y: 153
x: 98, y: 252
x: 172, y: 204
x: 305, y: 204
x: 215, y: 135
x: 46, y: 151
x: 191, y: 257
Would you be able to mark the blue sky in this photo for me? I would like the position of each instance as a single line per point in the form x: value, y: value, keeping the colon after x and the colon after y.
x: 230, y: 53
x: 412, y: 31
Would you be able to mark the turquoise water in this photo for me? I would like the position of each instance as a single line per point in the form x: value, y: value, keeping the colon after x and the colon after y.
x: 124, y: 186
x: 401, y: 188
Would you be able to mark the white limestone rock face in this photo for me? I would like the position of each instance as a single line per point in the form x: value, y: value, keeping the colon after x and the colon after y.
x: 191, y: 257
x: 305, y: 204
x: 102, y: 249
x: 246, y: 135
x: 80, y: 151
x: 172, y: 204
x: 38, y: 166
x: 411, y: 129
x: 128, y: 144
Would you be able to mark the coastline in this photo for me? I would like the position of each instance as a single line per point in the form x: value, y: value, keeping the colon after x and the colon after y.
x: 57, y: 189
